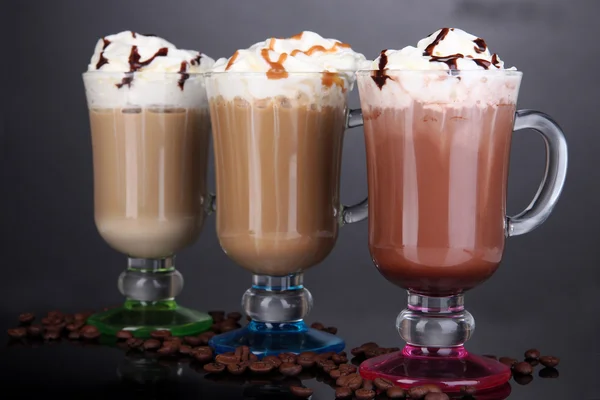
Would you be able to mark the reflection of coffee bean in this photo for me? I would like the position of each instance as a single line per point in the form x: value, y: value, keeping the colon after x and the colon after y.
x: 301, y: 391
x: 364, y: 394
x: 383, y: 383
x: 74, y: 335
x: 124, y: 335
x: 214, y: 368
x: 26, y: 318
x: 395, y: 393
x: 343, y: 393
x: 436, y: 396
x: 523, y: 368
x: 160, y: 334
x: 549, y: 361
x: 548, y: 372
x: 523, y: 379
x: 290, y: 369
x: 509, y: 362
x: 260, y: 367
x: 532, y: 354
x: 17, y: 333
x: 468, y: 390
x: 134, y: 342
x: 236, y: 369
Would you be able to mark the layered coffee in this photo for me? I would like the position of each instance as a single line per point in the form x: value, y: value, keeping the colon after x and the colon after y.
x: 438, y: 144
x: 278, y: 137
x: 150, y: 134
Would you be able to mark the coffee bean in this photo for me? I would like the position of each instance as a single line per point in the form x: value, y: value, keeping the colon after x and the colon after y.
x: 260, y: 367
x: 124, y: 335
x: 227, y: 358
x: 192, y: 340
x: 436, y: 396
x: 17, y: 333
x: 203, y: 354
x: 367, y: 384
x: 134, y: 343
x: 236, y: 368
x: 523, y: 368
x: 56, y: 315
x: 532, y: 362
x: 168, y: 349
x: 548, y: 372
x: 51, y: 335
x: 48, y: 321
x: 523, y: 379
x: 152, y: 344
x: 383, y: 384
x: 205, y: 337
x: 74, y: 335
x: 549, y: 361
x: 343, y: 393
x: 214, y: 368
x: 90, y: 332
x: 185, y: 349
x: 82, y: 316
x: 325, y: 356
x: 26, y: 318
x: 332, y: 329
x: 395, y: 392
x: 301, y: 391
x: 74, y: 326
x: 306, y: 360
x: 357, y: 351
x: 354, y: 381
x: 375, y: 352
x: 334, y: 374
x: 369, y: 345
x: 339, y: 359
x: 468, y: 390
x: 236, y: 316
x: 273, y: 360
x: 364, y: 394
x: 35, y: 330
x: 287, y: 357
x: 244, y: 353
x: 216, y: 327
x: 326, y: 365
x: 419, y: 392
x: 228, y: 325
x: 290, y: 369
x: 217, y: 316
x: 509, y: 362
x: 490, y: 356
x: 160, y: 334
x: 347, y: 369
x: 532, y: 354
x: 318, y: 326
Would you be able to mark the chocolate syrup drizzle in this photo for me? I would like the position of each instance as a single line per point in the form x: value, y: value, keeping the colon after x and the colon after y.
x: 480, y: 45
x: 133, y: 34
x: 451, y: 60
x: 184, y: 74
x: 103, y: 59
x: 379, y: 76
x: 135, y: 63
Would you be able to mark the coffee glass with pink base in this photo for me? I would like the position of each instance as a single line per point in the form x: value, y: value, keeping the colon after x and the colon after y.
x: 438, y: 145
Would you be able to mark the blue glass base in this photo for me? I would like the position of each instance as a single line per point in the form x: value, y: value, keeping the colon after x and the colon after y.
x: 266, y: 339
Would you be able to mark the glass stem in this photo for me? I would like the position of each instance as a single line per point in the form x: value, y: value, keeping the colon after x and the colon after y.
x: 150, y: 282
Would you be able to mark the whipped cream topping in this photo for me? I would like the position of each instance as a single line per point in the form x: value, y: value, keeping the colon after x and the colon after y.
x: 445, y: 49
x: 141, y: 70
x: 449, y: 67
x: 283, y: 60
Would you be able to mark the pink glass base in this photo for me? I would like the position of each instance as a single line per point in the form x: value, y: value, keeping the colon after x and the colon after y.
x: 449, y: 368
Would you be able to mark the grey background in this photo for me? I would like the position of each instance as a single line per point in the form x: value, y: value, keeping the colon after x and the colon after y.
x: 546, y: 292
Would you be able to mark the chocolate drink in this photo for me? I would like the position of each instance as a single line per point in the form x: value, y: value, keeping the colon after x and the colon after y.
x: 437, y: 188
x: 149, y: 177
x: 277, y: 173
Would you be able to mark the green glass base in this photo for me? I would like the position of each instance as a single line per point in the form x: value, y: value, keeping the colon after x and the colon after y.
x: 141, y: 318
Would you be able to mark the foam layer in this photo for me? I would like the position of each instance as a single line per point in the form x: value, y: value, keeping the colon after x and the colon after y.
x: 129, y: 69
x: 449, y: 67
x: 303, y: 66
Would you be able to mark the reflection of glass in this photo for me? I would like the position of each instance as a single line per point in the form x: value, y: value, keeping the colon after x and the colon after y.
x: 437, y: 158
x: 145, y: 371
x: 277, y: 163
x: 150, y: 136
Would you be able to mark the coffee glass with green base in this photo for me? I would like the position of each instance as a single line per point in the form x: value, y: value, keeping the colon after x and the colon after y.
x: 150, y: 138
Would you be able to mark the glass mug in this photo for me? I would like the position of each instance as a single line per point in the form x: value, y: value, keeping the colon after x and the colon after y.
x: 438, y: 145
x: 278, y: 148
x: 150, y: 138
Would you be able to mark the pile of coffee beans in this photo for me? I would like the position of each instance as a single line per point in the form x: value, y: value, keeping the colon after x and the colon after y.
x: 523, y: 370
x: 334, y: 369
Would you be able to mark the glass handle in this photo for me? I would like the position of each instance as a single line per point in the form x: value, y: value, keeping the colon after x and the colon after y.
x: 552, y: 184
x: 359, y: 211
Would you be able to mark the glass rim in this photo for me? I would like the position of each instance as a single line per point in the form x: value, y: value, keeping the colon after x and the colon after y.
x: 157, y: 73
x: 264, y: 73
x: 437, y: 71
